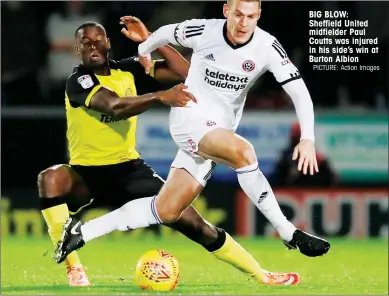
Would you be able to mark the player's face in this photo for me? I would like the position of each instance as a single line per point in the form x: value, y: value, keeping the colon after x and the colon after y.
x: 92, y: 45
x: 242, y: 18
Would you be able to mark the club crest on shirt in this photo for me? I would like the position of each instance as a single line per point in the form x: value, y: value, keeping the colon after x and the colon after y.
x: 85, y: 81
x: 248, y: 66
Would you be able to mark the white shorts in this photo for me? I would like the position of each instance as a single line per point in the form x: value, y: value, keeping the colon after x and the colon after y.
x: 187, y: 128
x: 201, y: 169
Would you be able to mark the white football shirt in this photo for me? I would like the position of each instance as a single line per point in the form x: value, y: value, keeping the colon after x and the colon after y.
x: 222, y: 73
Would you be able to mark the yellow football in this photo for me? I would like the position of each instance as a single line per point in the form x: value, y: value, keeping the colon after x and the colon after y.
x: 157, y: 270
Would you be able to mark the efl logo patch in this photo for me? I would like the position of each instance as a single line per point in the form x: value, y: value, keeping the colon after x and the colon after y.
x: 285, y: 62
x: 192, y: 144
x: 85, y: 81
x: 248, y: 66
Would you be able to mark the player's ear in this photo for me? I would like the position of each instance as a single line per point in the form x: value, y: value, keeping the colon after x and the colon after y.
x: 108, y: 43
x: 77, y: 49
x: 226, y: 9
x: 259, y: 13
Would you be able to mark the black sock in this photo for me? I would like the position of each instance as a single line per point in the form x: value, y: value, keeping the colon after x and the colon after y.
x: 219, y: 242
x: 49, y: 202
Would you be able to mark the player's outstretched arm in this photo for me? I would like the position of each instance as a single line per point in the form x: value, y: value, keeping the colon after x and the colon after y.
x: 186, y: 34
x: 305, y: 150
x: 108, y: 102
x: 173, y: 67
x: 159, y: 38
x: 289, y: 77
x: 298, y: 92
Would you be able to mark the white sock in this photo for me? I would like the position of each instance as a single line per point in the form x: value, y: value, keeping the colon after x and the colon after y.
x: 135, y: 214
x: 258, y: 189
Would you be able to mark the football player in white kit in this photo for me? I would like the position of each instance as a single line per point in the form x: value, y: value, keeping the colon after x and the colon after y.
x: 228, y: 57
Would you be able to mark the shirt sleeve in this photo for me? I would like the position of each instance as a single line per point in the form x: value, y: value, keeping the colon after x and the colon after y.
x: 303, y: 105
x: 144, y: 83
x: 289, y: 77
x: 80, y: 88
x: 186, y: 34
x: 280, y: 65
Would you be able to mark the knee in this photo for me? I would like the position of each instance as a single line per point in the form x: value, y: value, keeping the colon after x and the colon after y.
x: 245, y: 154
x: 169, y: 213
x: 53, y: 181
x: 48, y: 177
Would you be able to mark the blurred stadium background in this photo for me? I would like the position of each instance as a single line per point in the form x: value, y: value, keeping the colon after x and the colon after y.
x: 347, y: 199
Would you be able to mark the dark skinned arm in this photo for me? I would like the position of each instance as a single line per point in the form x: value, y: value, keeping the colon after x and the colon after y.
x: 108, y: 102
x: 174, y: 66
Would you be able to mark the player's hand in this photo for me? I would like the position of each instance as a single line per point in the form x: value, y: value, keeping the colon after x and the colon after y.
x: 306, y: 152
x: 135, y: 28
x: 146, y: 62
x: 176, y: 96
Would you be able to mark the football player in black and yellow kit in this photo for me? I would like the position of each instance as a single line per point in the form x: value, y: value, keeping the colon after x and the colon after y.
x: 102, y: 100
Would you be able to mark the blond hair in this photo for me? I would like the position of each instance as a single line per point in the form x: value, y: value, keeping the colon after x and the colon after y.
x: 230, y: 2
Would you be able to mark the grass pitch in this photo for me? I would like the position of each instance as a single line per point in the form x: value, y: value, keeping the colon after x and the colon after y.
x: 351, y: 267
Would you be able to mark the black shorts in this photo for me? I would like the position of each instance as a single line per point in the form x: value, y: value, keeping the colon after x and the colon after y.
x: 114, y: 185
